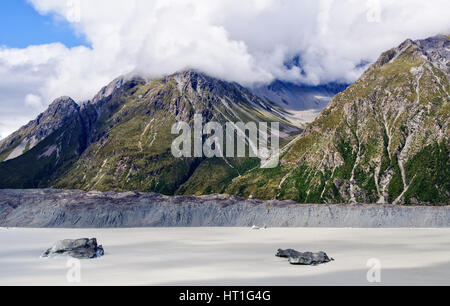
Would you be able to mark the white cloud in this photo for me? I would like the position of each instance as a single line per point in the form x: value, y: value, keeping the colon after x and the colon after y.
x: 240, y: 40
x: 33, y: 101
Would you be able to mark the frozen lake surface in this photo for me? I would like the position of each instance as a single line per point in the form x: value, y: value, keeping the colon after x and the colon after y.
x: 229, y: 256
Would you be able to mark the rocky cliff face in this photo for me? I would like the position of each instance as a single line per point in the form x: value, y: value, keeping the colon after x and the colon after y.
x: 77, y: 209
x: 385, y: 139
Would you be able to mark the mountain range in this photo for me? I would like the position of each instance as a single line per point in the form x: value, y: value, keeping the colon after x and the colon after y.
x: 383, y: 139
x: 121, y: 139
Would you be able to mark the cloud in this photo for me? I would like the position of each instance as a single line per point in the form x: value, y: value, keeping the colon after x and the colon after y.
x: 33, y: 101
x: 246, y: 41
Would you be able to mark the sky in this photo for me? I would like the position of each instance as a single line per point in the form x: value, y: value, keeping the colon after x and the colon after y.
x: 51, y: 48
x: 21, y: 26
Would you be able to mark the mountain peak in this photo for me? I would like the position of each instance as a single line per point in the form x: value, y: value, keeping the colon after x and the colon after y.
x: 116, y: 84
x: 193, y: 76
x: 191, y: 73
x: 59, y: 113
x: 60, y: 109
x: 63, y: 100
x: 62, y: 106
x: 435, y: 49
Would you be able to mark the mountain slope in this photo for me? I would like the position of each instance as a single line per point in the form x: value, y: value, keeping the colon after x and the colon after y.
x: 127, y: 143
x: 53, y: 141
x: 384, y: 139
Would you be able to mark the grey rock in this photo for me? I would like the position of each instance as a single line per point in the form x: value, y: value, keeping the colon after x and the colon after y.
x: 307, y: 258
x: 80, y: 248
x: 288, y: 253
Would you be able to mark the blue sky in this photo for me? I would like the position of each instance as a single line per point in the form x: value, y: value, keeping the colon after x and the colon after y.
x: 21, y: 26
